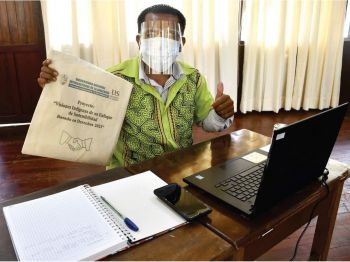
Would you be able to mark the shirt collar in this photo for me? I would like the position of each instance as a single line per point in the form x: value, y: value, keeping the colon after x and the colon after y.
x: 177, y: 73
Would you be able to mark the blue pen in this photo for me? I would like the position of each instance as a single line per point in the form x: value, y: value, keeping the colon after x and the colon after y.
x: 127, y: 221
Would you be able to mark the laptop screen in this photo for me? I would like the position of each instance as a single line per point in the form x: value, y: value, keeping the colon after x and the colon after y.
x: 299, y: 154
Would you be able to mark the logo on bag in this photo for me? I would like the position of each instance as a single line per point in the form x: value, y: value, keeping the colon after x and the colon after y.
x: 114, y: 95
x: 75, y: 143
x: 115, y: 92
x: 63, y: 79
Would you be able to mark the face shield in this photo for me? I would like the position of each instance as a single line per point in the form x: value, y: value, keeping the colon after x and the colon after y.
x: 161, y: 42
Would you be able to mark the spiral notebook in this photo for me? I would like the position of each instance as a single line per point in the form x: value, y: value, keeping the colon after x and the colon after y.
x: 76, y: 225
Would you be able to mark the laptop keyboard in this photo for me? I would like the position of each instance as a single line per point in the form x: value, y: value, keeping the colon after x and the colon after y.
x: 243, y: 185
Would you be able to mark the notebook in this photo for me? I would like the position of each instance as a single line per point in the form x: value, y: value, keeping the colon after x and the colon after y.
x: 76, y: 225
x: 256, y: 181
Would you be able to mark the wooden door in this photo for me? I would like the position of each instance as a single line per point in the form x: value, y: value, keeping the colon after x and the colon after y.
x: 22, y: 50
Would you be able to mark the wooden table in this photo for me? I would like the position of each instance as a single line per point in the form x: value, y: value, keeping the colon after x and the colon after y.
x: 224, y: 234
x: 252, y: 237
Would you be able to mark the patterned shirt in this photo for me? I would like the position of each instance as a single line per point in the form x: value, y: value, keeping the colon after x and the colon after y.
x: 152, y: 127
x: 213, y: 122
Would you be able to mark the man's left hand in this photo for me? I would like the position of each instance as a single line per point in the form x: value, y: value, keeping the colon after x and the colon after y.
x: 223, y: 104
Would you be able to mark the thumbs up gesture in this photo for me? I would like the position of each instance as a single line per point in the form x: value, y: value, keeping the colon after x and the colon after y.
x: 223, y: 104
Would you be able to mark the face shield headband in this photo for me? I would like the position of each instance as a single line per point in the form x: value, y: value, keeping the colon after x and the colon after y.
x: 161, y: 42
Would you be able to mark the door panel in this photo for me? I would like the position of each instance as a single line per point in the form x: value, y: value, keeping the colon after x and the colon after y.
x: 9, y: 102
x: 22, y: 50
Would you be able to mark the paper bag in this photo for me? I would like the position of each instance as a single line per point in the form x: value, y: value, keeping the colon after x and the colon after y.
x: 79, y: 116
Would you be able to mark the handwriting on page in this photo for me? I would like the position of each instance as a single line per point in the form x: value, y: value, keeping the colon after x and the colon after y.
x: 58, y: 245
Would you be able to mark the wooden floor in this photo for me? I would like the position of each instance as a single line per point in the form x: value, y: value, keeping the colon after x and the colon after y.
x: 36, y: 172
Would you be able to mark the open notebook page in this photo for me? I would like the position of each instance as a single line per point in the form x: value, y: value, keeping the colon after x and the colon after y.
x: 62, y: 226
x: 134, y: 198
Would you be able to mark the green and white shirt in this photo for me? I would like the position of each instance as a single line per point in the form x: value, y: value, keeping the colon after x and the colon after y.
x: 154, y: 125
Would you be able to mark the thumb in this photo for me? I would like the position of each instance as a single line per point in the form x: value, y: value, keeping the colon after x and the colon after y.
x: 219, y: 90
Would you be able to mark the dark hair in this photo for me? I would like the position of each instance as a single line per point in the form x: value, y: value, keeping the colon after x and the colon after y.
x: 162, y: 9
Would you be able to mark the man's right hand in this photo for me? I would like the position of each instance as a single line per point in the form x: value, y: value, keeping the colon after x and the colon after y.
x: 47, y: 74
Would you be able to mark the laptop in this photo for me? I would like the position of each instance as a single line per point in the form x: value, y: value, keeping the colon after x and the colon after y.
x: 256, y: 181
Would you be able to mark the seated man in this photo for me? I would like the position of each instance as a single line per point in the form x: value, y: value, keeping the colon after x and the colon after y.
x: 167, y: 96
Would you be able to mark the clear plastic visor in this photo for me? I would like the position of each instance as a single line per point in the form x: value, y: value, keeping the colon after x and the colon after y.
x: 160, y: 45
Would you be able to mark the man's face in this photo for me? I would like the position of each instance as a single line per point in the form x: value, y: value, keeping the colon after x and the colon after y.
x: 159, y: 43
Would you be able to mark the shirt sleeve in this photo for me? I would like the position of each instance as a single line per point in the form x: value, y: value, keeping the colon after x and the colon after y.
x: 203, y: 100
x: 214, y: 123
